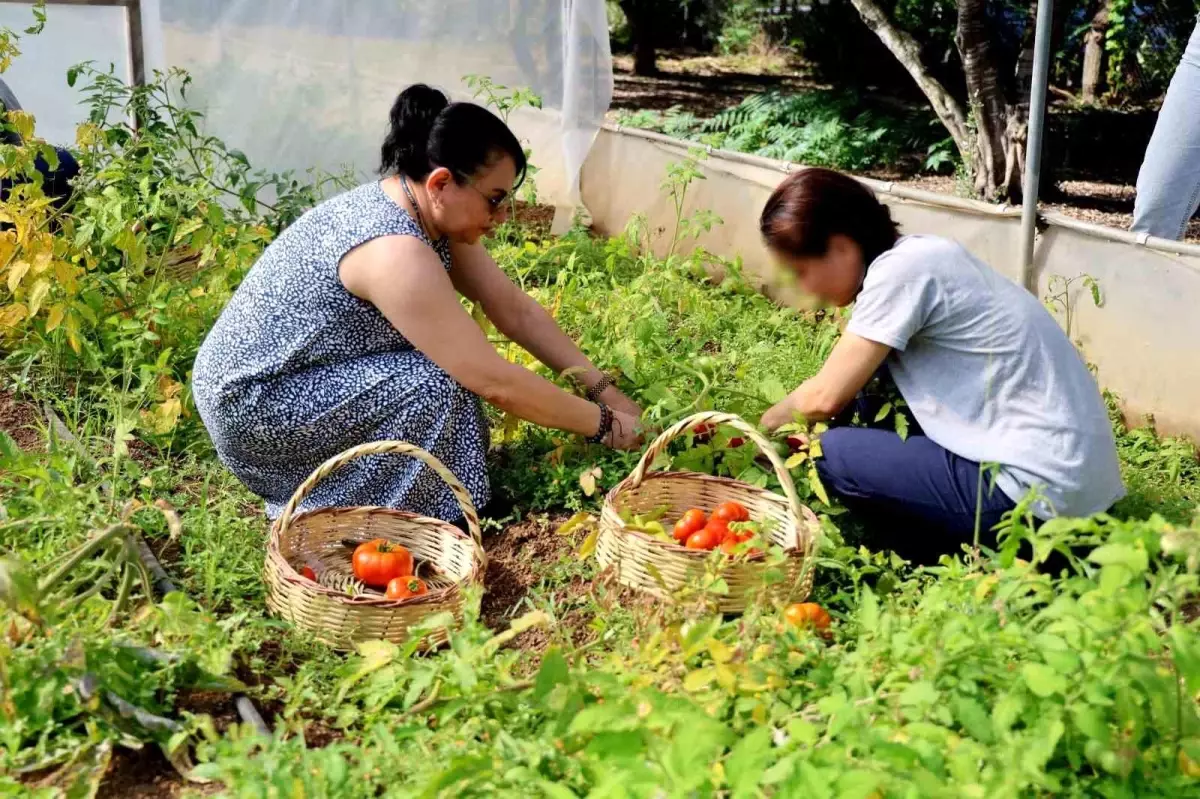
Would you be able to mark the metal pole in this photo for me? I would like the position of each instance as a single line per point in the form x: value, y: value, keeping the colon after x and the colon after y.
x: 1037, y: 126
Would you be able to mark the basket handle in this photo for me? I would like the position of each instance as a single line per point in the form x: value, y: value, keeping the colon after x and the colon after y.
x: 461, y: 495
x: 718, y: 418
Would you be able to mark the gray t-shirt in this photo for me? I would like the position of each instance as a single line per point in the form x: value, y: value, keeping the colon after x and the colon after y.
x: 989, y: 374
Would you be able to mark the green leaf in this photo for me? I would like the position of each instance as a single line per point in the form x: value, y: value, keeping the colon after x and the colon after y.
x: 920, y: 694
x: 1134, y: 558
x: 973, y: 718
x: 747, y: 761
x: 554, y: 671
x: 772, y: 390
x: 795, y: 460
x: 1042, y: 680
x: 901, y: 426
x: 868, y: 610
x: 1091, y: 722
x: 555, y: 791
x: 883, y: 412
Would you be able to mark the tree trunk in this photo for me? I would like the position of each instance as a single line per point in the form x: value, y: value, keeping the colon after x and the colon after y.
x: 908, y: 53
x: 640, y: 14
x: 1093, y: 52
x: 985, y: 93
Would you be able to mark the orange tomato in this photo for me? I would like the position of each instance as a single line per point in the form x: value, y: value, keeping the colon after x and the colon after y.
x: 379, y: 562
x: 731, y: 512
x: 804, y: 614
x: 691, y: 522
x: 405, y: 587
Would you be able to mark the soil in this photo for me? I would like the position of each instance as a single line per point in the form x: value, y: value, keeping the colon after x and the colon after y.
x: 535, y: 218
x: 517, y: 560
x: 21, y: 421
x: 146, y: 774
x: 704, y: 85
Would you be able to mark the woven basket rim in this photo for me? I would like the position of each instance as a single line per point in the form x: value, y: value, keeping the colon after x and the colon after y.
x: 299, y: 582
x: 626, y: 485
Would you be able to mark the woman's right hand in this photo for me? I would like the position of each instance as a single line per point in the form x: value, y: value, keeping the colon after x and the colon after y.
x: 626, y: 431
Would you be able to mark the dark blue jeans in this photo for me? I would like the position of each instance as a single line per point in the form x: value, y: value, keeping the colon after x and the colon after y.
x: 912, y: 496
x: 56, y: 183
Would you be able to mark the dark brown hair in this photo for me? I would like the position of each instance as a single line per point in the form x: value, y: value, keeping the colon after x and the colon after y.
x: 812, y: 205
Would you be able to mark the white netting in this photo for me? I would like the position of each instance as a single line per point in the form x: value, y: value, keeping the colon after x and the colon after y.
x: 307, y: 83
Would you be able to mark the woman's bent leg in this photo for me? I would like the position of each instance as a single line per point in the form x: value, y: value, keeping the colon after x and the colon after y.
x: 918, y: 498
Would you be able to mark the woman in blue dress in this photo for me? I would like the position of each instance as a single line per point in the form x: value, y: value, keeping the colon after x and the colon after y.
x: 350, y: 329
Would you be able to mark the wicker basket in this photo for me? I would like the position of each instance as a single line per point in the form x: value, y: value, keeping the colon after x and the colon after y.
x: 631, y: 552
x: 340, y: 611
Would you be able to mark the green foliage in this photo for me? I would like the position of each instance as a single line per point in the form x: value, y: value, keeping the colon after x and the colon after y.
x: 815, y: 128
x: 118, y: 287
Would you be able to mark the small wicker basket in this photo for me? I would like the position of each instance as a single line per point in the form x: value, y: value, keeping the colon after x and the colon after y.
x: 795, y: 527
x: 337, y: 609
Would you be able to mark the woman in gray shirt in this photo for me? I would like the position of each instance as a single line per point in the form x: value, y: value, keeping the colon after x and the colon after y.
x: 987, y: 375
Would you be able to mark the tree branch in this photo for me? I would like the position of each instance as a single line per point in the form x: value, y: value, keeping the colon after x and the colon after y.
x: 906, y: 50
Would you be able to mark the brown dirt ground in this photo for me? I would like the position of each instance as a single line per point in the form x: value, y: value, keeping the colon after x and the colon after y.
x: 21, y: 421
x: 704, y: 85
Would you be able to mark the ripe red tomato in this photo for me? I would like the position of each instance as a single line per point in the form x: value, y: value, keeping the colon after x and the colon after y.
x: 704, y: 539
x: 736, y: 442
x: 731, y: 512
x: 704, y: 432
x: 796, y: 443
x: 379, y: 562
x: 405, y: 587
x: 804, y: 614
x: 309, y: 573
x: 689, y: 523
x: 719, y: 528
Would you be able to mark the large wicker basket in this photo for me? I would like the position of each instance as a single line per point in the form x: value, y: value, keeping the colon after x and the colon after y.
x: 632, y: 553
x: 335, y: 608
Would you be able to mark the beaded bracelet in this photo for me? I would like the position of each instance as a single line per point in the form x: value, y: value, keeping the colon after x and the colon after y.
x: 606, y: 423
x: 595, y: 391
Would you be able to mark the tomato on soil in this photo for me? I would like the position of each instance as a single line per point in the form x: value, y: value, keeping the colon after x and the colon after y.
x: 378, y: 562
x: 405, y: 587
x: 691, y: 522
x: 804, y: 614
x: 731, y: 512
x: 704, y: 539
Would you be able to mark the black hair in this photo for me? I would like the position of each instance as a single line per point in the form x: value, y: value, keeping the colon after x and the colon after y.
x: 814, y: 204
x: 428, y: 131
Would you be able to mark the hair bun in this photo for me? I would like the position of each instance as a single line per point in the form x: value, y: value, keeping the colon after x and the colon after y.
x: 412, y: 118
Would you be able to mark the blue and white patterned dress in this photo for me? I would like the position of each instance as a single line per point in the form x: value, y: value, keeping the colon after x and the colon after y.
x: 297, y: 369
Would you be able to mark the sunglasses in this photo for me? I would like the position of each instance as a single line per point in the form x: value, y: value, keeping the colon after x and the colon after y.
x: 494, y: 202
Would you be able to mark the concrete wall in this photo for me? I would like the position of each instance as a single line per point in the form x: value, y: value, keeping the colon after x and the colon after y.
x: 1145, y: 340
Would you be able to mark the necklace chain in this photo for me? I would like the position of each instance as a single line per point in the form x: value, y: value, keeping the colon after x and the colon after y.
x: 413, y: 200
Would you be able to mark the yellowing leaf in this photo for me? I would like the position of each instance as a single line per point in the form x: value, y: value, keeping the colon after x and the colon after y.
x: 72, y: 323
x: 15, y: 274
x: 699, y: 679
x: 574, y: 523
x: 796, y: 460
x: 588, y: 546
x: 587, y: 480
x: 720, y: 652
x: 54, y: 317
x: 23, y: 122
x: 815, y: 481
x: 65, y: 273
x: 41, y: 260
x: 726, y: 677
x: 38, y: 293
x: 814, y: 448
x: 13, y: 315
